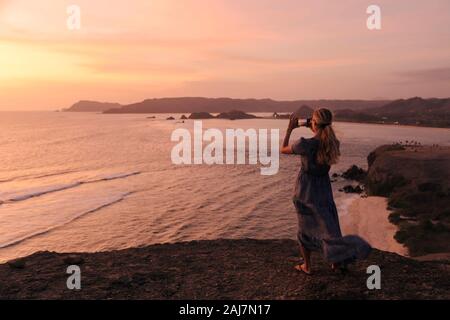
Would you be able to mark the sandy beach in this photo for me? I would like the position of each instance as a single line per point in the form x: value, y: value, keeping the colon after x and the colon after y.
x: 368, y: 218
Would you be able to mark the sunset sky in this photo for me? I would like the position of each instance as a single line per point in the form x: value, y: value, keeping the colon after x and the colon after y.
x: 127, y: 51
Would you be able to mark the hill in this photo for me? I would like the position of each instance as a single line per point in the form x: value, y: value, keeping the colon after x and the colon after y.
x: 416, y: 111
x: 356, y: 116
x: 218, y: 105
x: 91, y: 106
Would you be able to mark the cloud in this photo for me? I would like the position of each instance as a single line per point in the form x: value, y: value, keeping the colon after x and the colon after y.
x: 3, y: 3
x: 283, y: 49
x: 424, y: 75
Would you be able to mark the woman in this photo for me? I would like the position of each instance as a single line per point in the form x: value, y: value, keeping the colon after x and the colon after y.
x: 318, y: 221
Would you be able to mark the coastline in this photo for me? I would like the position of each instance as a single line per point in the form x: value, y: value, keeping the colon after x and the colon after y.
x: 369, y: 218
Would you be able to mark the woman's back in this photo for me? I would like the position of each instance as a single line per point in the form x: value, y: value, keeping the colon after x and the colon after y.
x: 307, y: 149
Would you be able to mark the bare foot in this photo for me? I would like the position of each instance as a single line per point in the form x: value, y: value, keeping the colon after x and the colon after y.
x: 302, y: 268
x: 339, y: 267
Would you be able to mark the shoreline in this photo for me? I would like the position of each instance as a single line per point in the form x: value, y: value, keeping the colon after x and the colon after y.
x: 369, y: 218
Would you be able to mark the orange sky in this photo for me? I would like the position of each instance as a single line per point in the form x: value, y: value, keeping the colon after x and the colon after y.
x: 282, y: 49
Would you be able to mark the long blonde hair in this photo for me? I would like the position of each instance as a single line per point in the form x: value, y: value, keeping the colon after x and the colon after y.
x: 328, y: 152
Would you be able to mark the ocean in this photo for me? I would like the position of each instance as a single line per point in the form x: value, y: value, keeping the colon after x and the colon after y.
x: 76, y: 182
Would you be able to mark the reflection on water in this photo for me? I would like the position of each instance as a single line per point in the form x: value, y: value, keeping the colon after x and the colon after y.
x: 89, y: 182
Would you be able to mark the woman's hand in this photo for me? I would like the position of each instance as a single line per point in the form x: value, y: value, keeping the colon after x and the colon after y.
x: 293, y: 123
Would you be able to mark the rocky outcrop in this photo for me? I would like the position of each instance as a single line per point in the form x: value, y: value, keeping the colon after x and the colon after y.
x: 392, y: 166
x: 232, y: 115
x: 416, y: 180
x: 201, y: 115
x: 219, y: 269
x: 235, y: 115
x: 352, y: 189
x: 355, y: 173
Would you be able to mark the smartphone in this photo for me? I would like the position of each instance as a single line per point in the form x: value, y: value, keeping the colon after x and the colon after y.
x: 308, y: 122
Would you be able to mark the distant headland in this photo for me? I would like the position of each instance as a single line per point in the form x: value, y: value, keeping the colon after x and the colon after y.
x: 219, y: 105
x: 91, y: 106
x: 415, y: 111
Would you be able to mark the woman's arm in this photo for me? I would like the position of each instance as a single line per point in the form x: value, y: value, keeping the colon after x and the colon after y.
x: 286, y: 148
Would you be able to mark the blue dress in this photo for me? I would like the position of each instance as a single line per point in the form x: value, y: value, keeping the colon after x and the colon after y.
x: 318, y: 221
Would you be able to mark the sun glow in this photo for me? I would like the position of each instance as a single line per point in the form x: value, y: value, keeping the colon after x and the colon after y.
x: 142, y: 49
x: 20, y: 62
